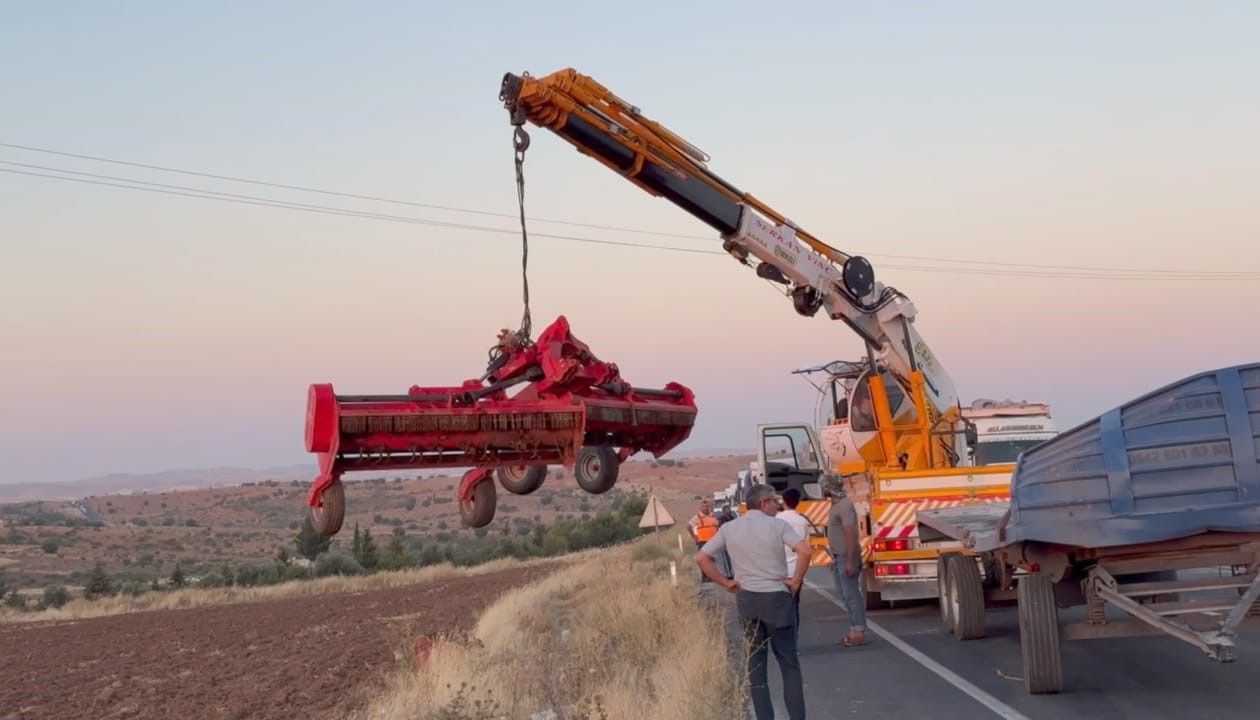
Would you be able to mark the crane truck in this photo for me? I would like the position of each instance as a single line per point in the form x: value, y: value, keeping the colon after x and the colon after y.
x: 903, y: 437
x: 892, y: 552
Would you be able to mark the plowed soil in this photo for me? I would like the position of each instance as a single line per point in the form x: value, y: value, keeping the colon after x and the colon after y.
x: 313, y: 657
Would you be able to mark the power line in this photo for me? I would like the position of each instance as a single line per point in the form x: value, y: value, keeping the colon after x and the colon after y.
x: 167, y: 189
x: 613, y: 228
x: 265, y: 202
x: 373, y: 198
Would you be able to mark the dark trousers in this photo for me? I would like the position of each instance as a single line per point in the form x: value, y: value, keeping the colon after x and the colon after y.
x: 768, y: 620
x: 796, y: 611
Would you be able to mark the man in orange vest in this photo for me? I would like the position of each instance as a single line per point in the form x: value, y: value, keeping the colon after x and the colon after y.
x: 703, y: 526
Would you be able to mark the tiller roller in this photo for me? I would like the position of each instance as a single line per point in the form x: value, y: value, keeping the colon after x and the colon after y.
x: 573, y: 410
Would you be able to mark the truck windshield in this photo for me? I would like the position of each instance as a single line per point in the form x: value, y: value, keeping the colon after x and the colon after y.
x: 1001, y: 451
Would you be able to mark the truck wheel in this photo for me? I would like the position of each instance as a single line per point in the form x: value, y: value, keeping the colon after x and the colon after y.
x: 326, y: 520
x: 521, y: 479
x: 942, y: 591
x: 1039, y: 635
x: 873, y: 599
x: 596, y: 468
x: 479, y: 511
x: 966, y: 596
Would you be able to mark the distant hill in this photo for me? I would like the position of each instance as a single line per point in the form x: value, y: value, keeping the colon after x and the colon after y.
x: 140, y: 525
x: 201, y: 478
x: 162, y: 481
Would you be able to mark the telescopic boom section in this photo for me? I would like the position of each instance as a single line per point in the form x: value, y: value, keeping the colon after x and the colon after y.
x: 614, y: 132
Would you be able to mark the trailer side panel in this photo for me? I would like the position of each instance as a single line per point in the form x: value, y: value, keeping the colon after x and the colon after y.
x: 1179, y: 461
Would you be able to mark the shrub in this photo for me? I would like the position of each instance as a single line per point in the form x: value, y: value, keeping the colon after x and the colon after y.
x: 337, y: 564
x: 55, y: 596
x: 98, y: 584
x: 251, y: 575
x: 134, y: 588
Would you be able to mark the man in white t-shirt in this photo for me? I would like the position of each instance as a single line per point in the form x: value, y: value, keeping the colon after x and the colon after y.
x: 799, y: 523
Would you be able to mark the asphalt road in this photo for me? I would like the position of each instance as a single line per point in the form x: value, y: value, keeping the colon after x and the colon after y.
x: 913, y: 668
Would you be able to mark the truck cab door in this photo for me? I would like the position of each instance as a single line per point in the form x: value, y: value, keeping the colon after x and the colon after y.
x: 790, y: 456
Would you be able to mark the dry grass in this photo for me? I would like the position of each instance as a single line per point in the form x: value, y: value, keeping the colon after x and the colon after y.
x: 79, y: 609
x: 609, y: 638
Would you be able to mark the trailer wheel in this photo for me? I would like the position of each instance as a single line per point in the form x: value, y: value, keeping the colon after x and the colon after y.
x: 479, y: 511
x: 966, y: 596
x: 1039, y: 635
x: 521, y: 479
x: 596, y: 468
x: 326, y: 519
x: 943, y: 591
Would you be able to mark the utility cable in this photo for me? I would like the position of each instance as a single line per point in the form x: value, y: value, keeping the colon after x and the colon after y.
x: 184, y: 191
x: 613, y: 228
x: 374, y: 198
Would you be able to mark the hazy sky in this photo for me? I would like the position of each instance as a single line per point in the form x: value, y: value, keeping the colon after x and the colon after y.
x: 143, y: 331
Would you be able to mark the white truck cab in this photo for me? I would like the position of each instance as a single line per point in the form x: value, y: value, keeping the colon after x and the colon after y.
x: 1006, y: 428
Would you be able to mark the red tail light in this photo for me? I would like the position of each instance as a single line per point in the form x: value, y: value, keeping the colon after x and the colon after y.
x: 887, y: 545
x: 893, y: 569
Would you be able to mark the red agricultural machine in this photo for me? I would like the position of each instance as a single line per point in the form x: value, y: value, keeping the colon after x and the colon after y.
x: 574, y: 410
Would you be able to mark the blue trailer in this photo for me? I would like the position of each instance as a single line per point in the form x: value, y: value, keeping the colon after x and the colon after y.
x: 1152, y: 508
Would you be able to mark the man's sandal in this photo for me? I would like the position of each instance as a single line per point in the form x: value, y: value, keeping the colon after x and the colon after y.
x: 851, y: 640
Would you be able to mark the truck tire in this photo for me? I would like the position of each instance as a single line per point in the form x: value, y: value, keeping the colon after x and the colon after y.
x: 1039, y: 635
x: 479, y: 511
x: 966, y: 595
x: 326, y: 520
x: 596, y: 468
x: 942, y: 591
x: 521, y: 479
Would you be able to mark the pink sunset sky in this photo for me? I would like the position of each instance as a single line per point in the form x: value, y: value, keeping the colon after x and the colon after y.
x: 1083, y: 182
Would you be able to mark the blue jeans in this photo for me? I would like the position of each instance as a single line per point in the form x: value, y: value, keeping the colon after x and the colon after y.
x: 850, y: 591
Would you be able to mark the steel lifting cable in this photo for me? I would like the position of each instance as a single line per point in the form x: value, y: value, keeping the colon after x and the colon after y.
x: 520, y: 142
x: 509, y: 340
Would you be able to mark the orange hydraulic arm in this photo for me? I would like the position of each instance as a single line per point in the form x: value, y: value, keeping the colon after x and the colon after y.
x: 611, y: 130
x: 614, y: 132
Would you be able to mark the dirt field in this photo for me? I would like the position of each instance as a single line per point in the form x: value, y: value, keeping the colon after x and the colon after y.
x: 313, y: 658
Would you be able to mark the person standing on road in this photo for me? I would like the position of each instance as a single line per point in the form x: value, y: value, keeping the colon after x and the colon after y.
x: 846, y: 554
x: 703, y: 526
x: 799, y: 523
x: 763, y: 594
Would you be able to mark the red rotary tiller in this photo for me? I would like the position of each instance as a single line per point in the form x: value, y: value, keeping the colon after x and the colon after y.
x: 574, y: 410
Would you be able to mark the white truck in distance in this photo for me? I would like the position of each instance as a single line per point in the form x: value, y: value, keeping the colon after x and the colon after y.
x: 1006, y: 428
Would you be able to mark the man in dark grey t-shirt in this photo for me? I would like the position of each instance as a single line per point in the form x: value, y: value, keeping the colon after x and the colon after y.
x: 763, y: 594
x: 846, y: 554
